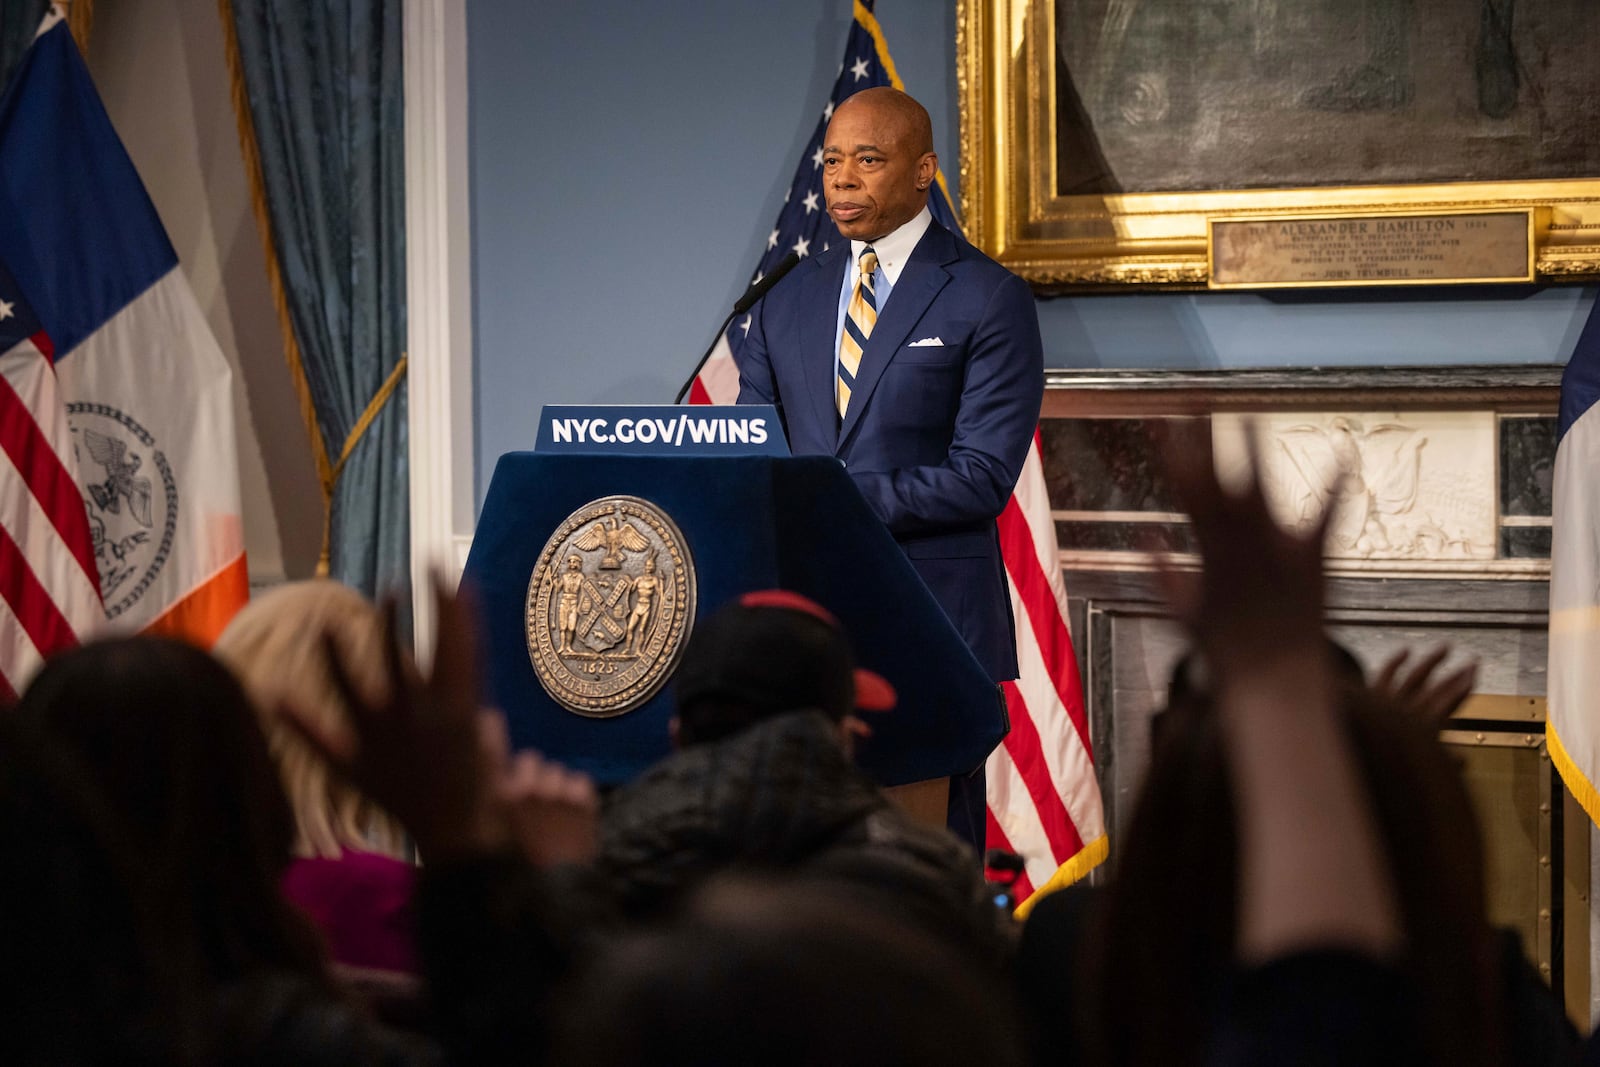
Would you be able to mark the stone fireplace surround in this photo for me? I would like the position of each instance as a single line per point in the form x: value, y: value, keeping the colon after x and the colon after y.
x: 1446, y: 541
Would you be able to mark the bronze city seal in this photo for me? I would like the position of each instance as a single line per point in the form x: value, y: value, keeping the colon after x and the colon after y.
x: 610, y: 605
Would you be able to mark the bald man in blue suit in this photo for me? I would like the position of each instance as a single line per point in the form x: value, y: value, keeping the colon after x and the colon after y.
x: 939, y: 413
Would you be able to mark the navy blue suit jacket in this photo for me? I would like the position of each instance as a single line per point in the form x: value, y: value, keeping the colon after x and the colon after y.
x: 936, y: 434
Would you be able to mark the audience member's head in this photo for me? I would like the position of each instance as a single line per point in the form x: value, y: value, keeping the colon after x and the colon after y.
x: 275, y: 645
x: 1162, y: 956
x: 779, y: 974
x: 172, y: 741
x: 764, y: 654
x: 90, y: 974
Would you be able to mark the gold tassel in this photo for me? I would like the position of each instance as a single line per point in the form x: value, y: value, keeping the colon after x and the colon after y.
x: 80, y: 20
x: 375, y: 405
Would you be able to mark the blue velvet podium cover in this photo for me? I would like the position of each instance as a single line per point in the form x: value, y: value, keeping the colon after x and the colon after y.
x: 750, y: 522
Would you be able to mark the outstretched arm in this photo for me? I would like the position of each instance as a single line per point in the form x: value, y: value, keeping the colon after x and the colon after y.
x: 1312, y: 870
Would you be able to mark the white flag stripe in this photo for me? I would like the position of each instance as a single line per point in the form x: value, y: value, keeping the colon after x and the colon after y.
x: 1033, y: 497
x: 1575, y: 548
x: 53, y: 14
x: 1574, y: 656
x: 720, y: 375
x: 1070, y: 767
x: 19, y: 659
x: 35, y: 420
x: 48, y: 556
x: 1012, y: 807
x: 31, y: 377
x: 16, y: 366
x: 162, y: 337
x: 26, y: 521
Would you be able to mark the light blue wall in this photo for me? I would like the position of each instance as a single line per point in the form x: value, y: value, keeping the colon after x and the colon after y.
x: 629, y: 158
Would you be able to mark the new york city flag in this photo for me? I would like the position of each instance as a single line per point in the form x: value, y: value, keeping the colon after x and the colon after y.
x: 119, y: 498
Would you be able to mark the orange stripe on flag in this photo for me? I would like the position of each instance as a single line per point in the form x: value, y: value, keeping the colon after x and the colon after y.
x: 201, y: 615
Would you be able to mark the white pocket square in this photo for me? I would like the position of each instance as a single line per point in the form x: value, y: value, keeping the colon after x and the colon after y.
x: 927, y: 342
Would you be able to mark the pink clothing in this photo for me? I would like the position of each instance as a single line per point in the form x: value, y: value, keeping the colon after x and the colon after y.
x: 362, y: 904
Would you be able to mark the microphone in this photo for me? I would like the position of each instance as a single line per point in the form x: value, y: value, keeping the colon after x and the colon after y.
x: 757, y: 290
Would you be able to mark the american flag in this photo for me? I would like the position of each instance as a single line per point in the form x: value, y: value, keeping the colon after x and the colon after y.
x: 1044, y: 799
x: 119, y: 495
x: 49, y: 584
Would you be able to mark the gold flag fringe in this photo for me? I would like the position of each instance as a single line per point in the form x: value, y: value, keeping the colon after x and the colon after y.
x: 80, y: 21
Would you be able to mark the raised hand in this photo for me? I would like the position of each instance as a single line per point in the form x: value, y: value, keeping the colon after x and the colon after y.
x: 1418, y: 691
x: 1312, y: 872
x: 414, y: 747
x: 1258, y: 600
x: 553, y: 812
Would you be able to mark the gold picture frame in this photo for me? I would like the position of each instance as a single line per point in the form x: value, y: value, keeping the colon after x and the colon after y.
x: 1007, y: 84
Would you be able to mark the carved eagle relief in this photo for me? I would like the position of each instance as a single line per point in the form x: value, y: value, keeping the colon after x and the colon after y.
x: 615, y: 537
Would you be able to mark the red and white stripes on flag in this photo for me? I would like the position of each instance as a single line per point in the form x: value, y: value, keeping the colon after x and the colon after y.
x: 1044, y: 798
x: 119, y: 495
x: 718, y: 380
x: 49, y: 584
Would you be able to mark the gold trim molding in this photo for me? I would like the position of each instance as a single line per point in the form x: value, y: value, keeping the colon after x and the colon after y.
x: 1006, y: 83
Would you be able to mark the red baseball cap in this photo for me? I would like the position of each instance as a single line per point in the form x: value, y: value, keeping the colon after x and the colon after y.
x: 777, y: 650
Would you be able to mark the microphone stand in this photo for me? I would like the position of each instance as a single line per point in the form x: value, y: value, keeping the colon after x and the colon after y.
x: 757, y: 290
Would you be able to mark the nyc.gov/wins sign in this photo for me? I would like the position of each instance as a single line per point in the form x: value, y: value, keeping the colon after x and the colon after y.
x: 662, y: 430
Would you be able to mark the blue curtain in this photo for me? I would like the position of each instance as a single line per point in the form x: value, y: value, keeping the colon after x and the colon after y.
x: 325, y: 99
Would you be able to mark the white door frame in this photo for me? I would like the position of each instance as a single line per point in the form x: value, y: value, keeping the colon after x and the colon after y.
x: 439, y: 375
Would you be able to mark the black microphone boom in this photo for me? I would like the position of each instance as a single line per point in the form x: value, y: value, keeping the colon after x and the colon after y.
x: 757, y: 290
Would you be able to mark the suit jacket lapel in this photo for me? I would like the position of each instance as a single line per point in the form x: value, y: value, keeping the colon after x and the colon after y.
x: 819, y: 297
x: 920, y: 281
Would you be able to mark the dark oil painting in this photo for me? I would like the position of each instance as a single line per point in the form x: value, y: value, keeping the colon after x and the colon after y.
x: 1193, y: 95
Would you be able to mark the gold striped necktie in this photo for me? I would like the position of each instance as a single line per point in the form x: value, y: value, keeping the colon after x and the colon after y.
x: 859, y: 318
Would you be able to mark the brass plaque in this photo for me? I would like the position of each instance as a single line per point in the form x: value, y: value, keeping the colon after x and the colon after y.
x: 1389, y: 249
x: 610, y: 606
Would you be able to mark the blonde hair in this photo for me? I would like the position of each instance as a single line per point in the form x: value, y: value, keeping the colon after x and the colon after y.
x: 275, y: 646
